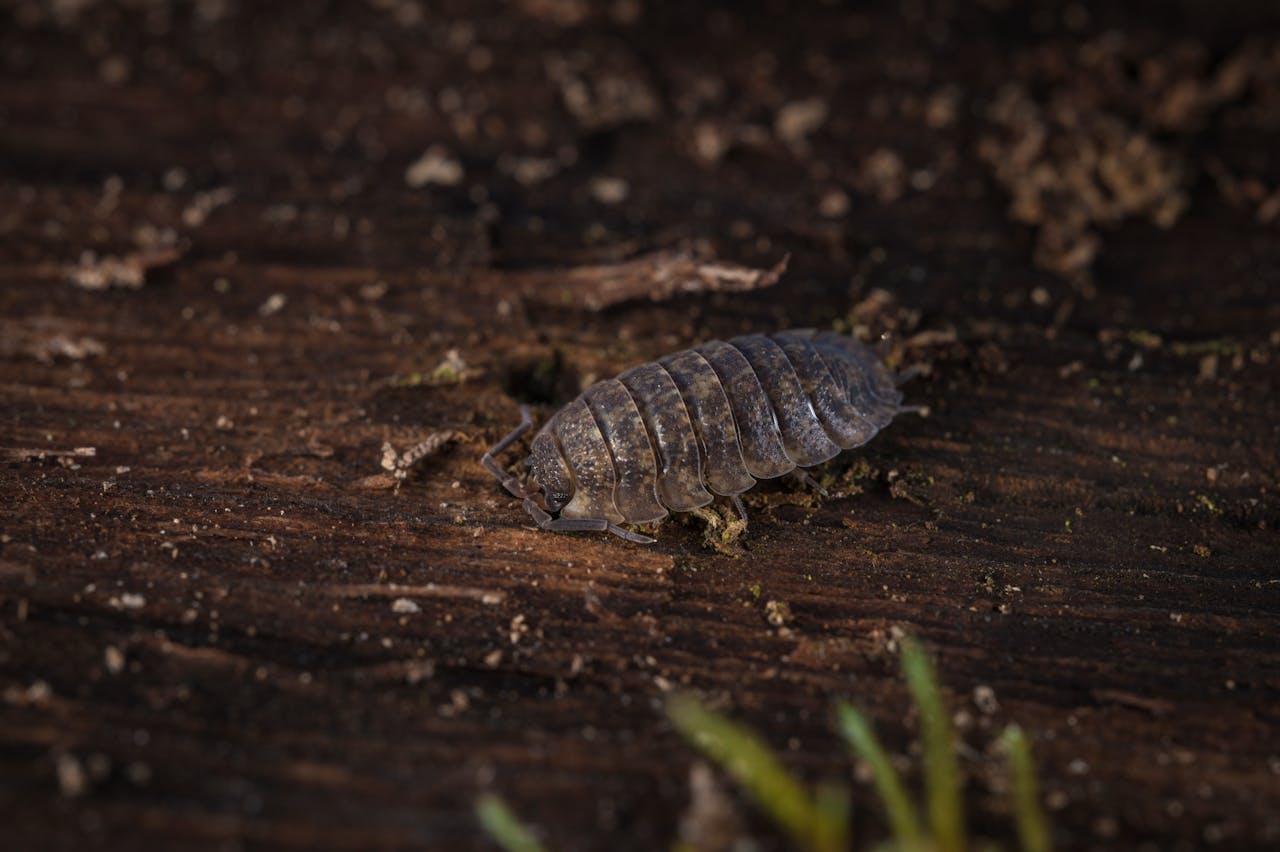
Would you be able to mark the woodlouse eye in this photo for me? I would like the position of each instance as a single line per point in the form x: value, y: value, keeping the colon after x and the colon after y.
x: 549, y: 471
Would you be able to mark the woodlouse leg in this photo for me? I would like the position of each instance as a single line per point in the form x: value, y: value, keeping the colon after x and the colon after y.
x: 631, y: 536
x: 538, y: 514
x: 740, y: 506
x: 546, y: 522
x: 805, y: 479
x: 922, y: 410
x: 508, y: 481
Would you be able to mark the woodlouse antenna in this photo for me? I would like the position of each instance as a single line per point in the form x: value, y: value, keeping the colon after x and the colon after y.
x: 509, y: 481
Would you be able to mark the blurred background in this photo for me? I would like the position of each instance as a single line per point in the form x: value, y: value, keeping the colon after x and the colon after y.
x: 956, y: 153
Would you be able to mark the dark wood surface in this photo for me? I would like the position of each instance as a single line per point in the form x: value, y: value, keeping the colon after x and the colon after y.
x: 200, y: 640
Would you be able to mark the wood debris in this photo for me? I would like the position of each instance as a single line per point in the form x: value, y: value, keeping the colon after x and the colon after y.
x: 1070, y: 174
x: 435, y: 166
x: 20, y: 338
x: 398, y: 464
x: 490, y: 597
x: 1246, y: 192
x: 656, y: 276
x: 1103, y: 134
x: 127, y: 272
x: 795, y: 121
x: 601, y: 96
x: 883, y: 174
x: 22, y: 454
x: 709, y: 821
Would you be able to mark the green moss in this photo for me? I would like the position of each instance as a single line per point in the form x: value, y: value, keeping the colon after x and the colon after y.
x: 1146, y: 339
x: 1207, y: 502
x: 1206, y: 347
x: 444, y: 375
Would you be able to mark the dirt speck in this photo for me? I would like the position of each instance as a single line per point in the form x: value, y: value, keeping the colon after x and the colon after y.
x: 73, y: 781
x: 127, y: 272
x: 710, y: 822
x: 405, y: 606
x: 883, y: 174
x: 778, y: 613
x: 435, y: 166
x: 795, y: 121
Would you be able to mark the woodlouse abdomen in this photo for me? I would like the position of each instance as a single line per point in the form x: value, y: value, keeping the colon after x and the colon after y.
x: 671, y: 435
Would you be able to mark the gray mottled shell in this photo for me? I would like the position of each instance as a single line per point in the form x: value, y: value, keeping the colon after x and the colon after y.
x: 671, y: 434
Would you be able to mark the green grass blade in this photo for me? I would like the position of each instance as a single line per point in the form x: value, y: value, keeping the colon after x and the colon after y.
x: 504, y: 827
x: 903, y: 819
x: 744, y: 756
x: 941, y: 774
x: 1033, y: 828
x: 834, y: 824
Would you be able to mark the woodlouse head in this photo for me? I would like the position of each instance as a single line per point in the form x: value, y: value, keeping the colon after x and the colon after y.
x: 549, y: 471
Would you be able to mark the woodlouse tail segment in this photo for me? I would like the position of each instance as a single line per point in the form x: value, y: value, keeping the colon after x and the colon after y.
x: 509, y: 481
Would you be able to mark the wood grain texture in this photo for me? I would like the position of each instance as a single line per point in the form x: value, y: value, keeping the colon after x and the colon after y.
x: 204, y: 640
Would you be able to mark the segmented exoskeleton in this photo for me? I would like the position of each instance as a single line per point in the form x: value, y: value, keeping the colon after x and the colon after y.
x: 670, y: 435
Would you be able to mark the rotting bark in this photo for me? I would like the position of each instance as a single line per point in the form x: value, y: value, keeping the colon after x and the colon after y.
x: 203, y: 635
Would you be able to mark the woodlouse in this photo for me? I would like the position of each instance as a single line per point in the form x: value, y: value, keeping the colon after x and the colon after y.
x: 670, y: 435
